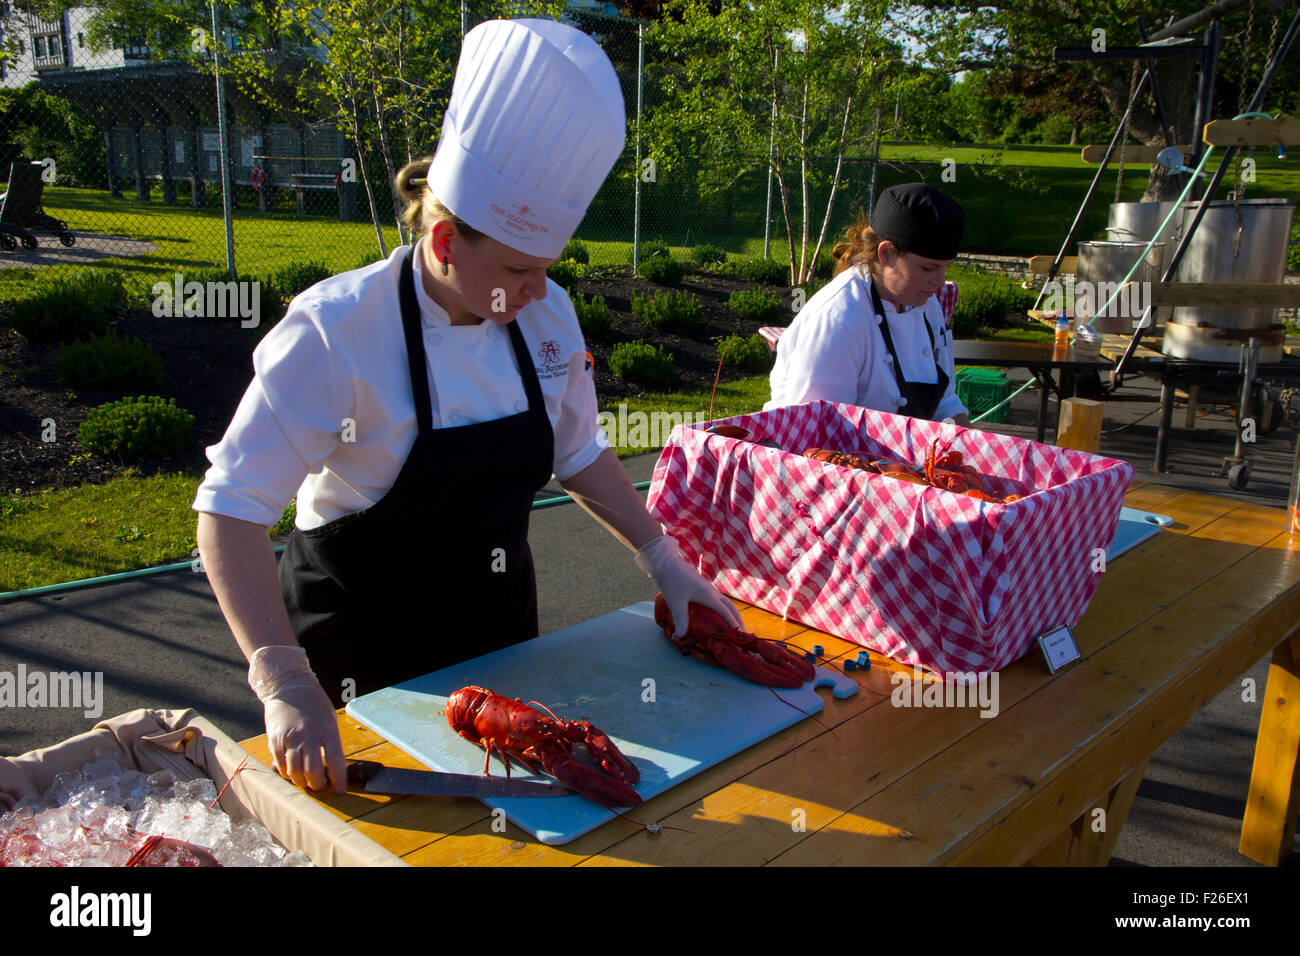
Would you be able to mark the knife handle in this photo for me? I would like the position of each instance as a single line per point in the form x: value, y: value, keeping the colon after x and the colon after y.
x: 359, y: 771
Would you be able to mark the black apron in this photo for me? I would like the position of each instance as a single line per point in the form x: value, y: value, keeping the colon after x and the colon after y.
x: 922, y: 398
x: 437, y: 571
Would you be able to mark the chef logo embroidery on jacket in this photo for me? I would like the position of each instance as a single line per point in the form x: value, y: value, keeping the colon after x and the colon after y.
x: 551, y: 366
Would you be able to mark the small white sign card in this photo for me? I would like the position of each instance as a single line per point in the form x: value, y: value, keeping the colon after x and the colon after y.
x: 1059, y: 648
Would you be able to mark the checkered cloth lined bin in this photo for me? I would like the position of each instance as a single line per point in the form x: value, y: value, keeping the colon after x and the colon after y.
x: 922, y: 575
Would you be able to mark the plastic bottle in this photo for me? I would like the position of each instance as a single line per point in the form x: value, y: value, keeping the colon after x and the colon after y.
x: 1062, y: 333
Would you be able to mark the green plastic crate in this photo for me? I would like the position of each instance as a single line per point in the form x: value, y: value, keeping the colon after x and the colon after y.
x: 981, y: 388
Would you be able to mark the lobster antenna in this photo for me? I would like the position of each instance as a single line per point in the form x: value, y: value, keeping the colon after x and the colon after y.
x: 717, y: 378
x: 547, y: 709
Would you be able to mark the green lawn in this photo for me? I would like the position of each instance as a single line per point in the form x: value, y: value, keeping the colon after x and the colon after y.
x: 1019, y: 200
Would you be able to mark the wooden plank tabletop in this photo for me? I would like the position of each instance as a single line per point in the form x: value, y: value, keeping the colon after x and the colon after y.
x: 1173, y: 622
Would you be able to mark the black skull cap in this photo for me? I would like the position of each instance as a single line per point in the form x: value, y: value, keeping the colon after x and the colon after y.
x: 926, y: 221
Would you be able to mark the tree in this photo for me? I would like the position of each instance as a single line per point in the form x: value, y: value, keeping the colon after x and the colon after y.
x: 801, y: 76
x: 1013, y: 40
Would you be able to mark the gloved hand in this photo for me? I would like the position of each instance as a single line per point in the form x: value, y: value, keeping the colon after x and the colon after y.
x: 681, y: 584
x: 300, y: 720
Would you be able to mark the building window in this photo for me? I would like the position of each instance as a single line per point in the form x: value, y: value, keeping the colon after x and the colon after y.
x: 38, y: 45
x: 81, y: 41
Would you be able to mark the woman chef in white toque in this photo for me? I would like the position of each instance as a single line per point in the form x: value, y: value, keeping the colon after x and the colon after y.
x: 875, y: 335
x: 417, y: 405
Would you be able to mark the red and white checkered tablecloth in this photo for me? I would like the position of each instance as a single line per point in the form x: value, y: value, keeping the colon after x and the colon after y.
x: 922, y: 575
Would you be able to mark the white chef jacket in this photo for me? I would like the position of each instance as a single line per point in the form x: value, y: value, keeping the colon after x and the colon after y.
x: 834, y: 350
x: 329, y: 414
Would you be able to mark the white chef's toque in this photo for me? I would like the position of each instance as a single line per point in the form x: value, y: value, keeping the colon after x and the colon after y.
x: 535, y: 122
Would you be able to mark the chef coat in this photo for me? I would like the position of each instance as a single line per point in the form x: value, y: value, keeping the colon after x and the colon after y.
x: 834, y: 350
x: 331, y: 396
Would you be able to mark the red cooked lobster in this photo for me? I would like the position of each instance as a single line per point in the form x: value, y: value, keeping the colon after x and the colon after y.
x: 944, y: 471
x: 543, y: 744
x: 710, y: 639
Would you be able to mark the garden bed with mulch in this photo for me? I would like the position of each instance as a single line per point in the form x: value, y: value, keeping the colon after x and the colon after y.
x: 207, y: 367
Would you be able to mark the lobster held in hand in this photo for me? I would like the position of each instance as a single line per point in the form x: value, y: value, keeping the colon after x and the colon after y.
x: 710, y: 639
x: 544, y: 743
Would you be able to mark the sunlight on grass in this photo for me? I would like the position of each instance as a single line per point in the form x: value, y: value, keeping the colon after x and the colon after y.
x: 128, y: 523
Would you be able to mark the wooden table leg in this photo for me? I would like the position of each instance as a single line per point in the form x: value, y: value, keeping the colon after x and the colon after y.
x: 1091, y: 839
x: 1268, y: 830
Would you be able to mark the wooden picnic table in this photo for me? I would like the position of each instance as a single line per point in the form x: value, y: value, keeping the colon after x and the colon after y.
x: 1173, y: 622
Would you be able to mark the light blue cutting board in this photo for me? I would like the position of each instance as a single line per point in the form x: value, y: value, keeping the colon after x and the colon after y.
x: 599, y: 670
x: 1134, y: 527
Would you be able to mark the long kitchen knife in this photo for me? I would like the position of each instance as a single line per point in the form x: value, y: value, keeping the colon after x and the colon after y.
x: 372, y: 777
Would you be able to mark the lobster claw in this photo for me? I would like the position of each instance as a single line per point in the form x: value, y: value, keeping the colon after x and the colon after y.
x: 609, y: 784
x: 710, y: 639
x: 601, y: 749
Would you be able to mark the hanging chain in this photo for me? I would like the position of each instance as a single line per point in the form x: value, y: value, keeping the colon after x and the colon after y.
x: 1123, y: 136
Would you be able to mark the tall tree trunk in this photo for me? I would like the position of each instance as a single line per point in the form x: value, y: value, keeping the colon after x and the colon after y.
x: 358, y: 141
x: 803, y: 175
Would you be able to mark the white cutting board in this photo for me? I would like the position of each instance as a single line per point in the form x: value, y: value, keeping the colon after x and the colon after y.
x: 603, y: 670
x: 1134, y: 527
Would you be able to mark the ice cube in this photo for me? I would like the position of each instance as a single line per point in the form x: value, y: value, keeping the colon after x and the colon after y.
x: 201, y: 789
x: 57, y: 828
x: 296, y: 858
x: 162, y: 782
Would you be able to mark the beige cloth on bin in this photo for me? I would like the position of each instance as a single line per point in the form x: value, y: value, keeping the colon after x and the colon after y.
x: 191, y: 747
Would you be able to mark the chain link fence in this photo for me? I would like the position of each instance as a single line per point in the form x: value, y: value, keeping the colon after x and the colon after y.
x: 137, y: 173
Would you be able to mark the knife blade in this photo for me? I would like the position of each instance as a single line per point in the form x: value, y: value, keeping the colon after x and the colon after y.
x: 370, y: 776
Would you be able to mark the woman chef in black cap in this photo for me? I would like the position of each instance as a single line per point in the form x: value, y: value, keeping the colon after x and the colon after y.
x: 415, y: 406
x: 875, y: 335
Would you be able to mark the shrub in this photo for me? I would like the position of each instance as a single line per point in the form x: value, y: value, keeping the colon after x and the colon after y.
x: 984, y: 303
x: 662, y: 270
x: 576, y: 250
x: 747, y: 354
x: 593, y: 316
x: 678, y: 310
x: 766, y: 271
x: 708, y: 253
x: 138, y: 429
x: 566, y: 272
x: 70, y: 309
x: 297, y: 276
x: 731, y: 268
x: 107, y: 362
x: 643, y: 363
x: 755, y: 305
x: 652, y: 249
x: 825, y: 267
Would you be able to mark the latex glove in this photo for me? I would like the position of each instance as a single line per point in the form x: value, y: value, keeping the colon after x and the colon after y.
x: 681, y: 584
x: 300, y: 719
